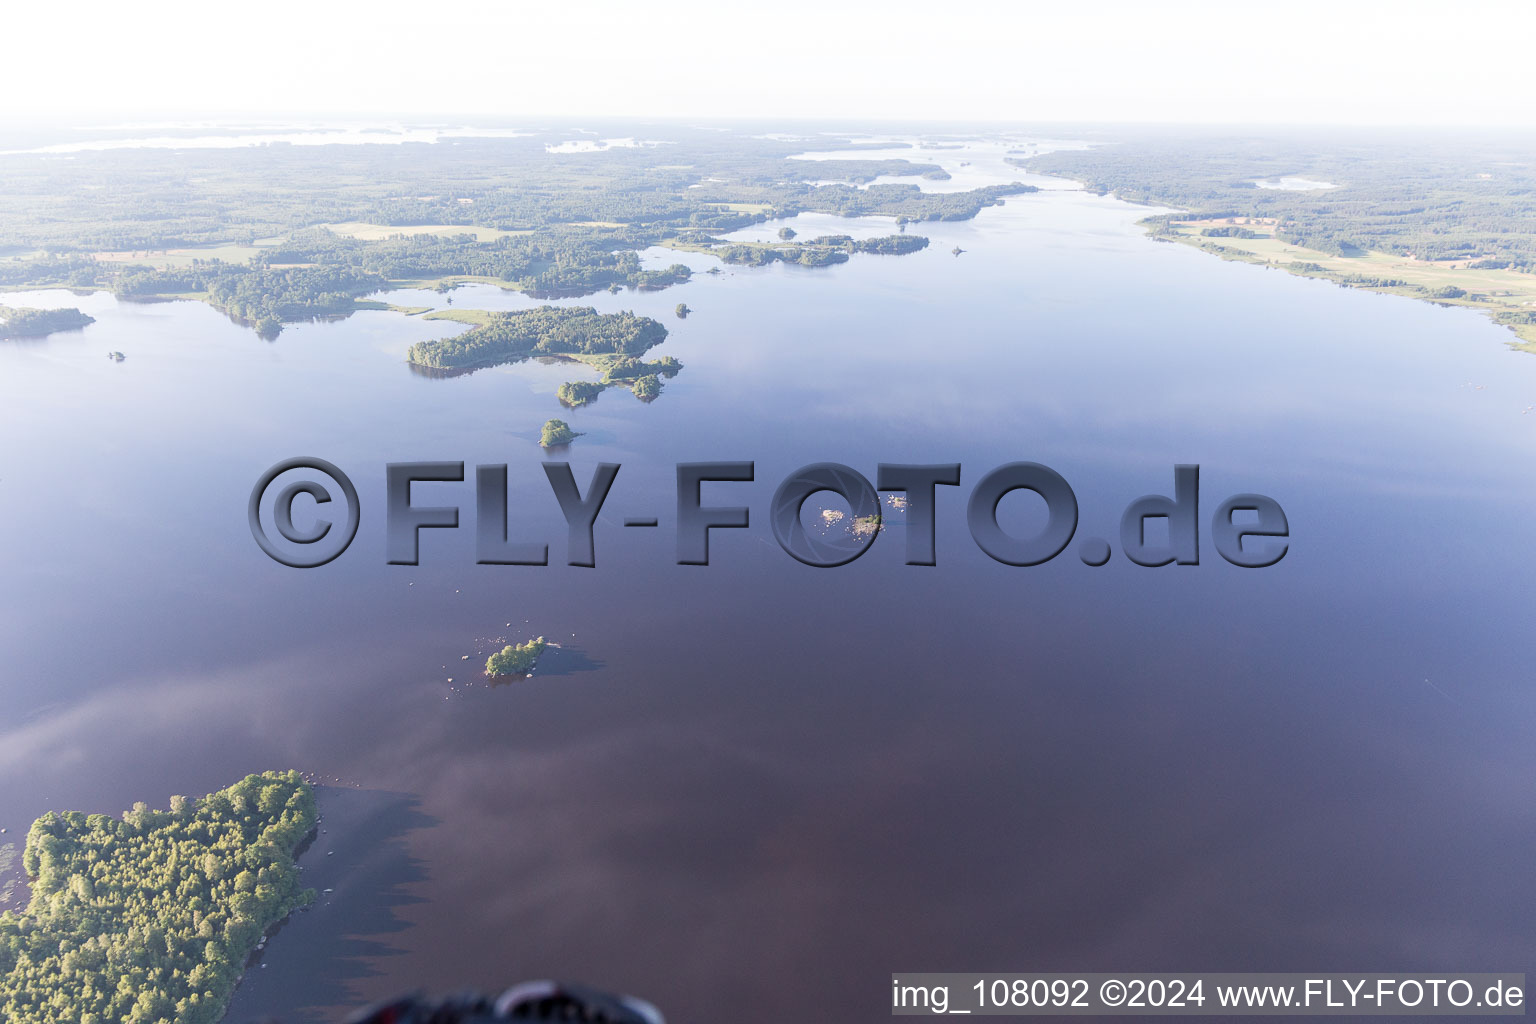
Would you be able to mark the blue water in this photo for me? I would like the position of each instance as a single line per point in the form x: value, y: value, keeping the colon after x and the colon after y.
x: 751, y: 791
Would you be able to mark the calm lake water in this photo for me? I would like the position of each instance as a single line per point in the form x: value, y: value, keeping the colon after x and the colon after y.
x: 749, y: 792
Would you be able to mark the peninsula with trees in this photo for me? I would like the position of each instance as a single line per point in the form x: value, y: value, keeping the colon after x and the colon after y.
x: 23, y: 322
x: 153, y: 916
x: 1448, y: 221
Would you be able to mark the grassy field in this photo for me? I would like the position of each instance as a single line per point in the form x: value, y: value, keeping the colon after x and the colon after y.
x: 1488, y: 291
x: 453, y: 281
x: 375, y: 304
x: 476, y: 317
x: 162, y: 259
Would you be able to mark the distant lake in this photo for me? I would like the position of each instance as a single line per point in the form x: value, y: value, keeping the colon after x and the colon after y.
x: 971, y: 163
x: 600, y: 145
x: 196, y: 135
x: 1295, y: 184
x: 744, y: 790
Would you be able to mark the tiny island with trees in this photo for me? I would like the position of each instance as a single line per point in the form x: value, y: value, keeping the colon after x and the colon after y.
x: 557, y: 432
x: 515, y: 659
x: 22, y: 322
x: 822, y: 251
x: 153, y: 916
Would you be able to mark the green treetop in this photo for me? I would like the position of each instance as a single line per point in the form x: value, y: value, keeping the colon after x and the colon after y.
x: 557, y: 432
x: 151, y: 917
x: 515, y: 660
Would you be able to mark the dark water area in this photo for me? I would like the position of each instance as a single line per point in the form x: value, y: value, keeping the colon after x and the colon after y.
x: 751, y: 791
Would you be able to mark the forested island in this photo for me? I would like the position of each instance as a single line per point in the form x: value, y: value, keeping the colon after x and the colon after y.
x: 610, y: 343
x: 556, y: 432
x: 1449, y: 221
x: 817, y: 252
x: 554, y: 263
x: 515, y: 660
x: 262, y: 296
x: 22, y: 322
x: 544, y: 330
x: 153, y: 916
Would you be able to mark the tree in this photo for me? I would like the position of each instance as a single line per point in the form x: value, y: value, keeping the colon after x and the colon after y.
x: 557, y: 432
x: 515, y: 660
x: 647, y: 388
x: 577, y: 393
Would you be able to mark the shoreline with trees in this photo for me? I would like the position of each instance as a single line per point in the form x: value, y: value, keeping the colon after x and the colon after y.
x: 1448, y: 225
x: 154, y: 915
x: 545, y: 330
x: 25, y: 322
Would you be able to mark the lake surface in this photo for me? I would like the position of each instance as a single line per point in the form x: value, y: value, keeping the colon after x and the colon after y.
x: 751, y: 791
x: 214, y: 135
x: 970, y: 162
x: 1294, y: 184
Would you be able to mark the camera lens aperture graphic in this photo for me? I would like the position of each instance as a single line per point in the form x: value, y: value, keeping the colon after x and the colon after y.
x: 835, y: 546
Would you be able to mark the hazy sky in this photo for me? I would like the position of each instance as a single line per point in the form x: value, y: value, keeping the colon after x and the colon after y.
x: 1337, y: 61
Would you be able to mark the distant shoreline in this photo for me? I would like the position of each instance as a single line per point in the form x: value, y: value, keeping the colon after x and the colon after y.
x: 1384, y: 273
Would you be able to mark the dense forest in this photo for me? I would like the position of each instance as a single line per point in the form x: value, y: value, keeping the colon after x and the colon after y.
x: 1446, y: 219
x: 247, y: 230
x: 263, y: 296
x: 551, y: 264
x: 144, y: 200
x: 22, y: 322
x: 1446, y: 198
x: 151, y: 917
x: 545, y: 330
